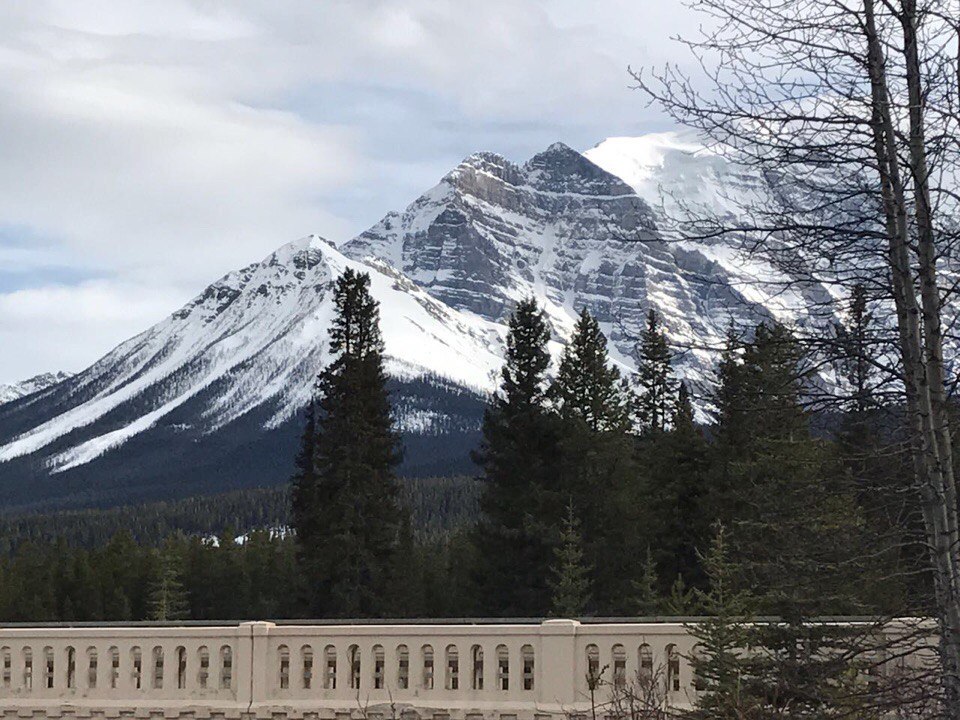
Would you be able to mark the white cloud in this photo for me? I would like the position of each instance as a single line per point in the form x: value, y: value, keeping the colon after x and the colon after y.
x: 61, y: 327
x: 121, y: 169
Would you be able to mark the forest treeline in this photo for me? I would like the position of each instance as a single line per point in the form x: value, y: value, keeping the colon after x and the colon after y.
x: 597, y: 495
x: 437, y: 505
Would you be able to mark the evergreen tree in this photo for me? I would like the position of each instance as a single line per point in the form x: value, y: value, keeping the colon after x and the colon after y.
x: 728, y: 397
x: 406, y: 597
x: 855, y: 342
x: 518, y: 457
x: 167, y: 599
x: 795, y: 529
x: 346, y: 502
x: 784, y: 503
x: 874, y: 463
x: 587, y: 387
x: 682, y: 599
x: 123, y: 575
x: 571, y: 581
x: 523, y: 376
x: 303, y: 490
x: 27, y: 591
x: 654, y: 377
x: 597, y: 464
x: 722, y: 661
x: 676, y: 522
x: 647, y: 598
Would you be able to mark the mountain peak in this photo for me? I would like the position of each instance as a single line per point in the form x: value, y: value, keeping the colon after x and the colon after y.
x: 219, y: 384
x: 312, y: 245
x: 679, y: 162
x: 558, y: 153
x: 560, y: 168
x: 560, y: 148
x: 484, y: 157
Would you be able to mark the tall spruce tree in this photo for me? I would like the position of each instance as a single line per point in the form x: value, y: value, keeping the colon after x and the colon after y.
x: 783, y: 505
x: 728, y: 395
x: 856, y: 342
x: 647, y: 598
x: 520, y: 502
x: 597, y: 464
x: 654, y: 377
x: 303, y: 490
x: 674, y: 453
x: 722, y: 663
x: 346, y: 506
x: 677, y: 469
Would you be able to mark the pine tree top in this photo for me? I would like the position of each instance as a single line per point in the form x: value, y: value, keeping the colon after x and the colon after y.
x: 355, y: 330
x: 587, y: 386
x: 655, y: 377
x: 524, y: 373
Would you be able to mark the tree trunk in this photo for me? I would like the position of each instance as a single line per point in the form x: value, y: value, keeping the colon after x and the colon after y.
x: 921, y: 347
x: 940, y: 450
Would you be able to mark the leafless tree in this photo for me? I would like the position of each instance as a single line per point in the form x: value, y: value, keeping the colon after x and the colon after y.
x: 848, y: 111
x: 595, y: 682
x: 641, y: 697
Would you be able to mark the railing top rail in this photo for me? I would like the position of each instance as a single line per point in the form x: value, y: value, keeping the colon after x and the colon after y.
x: 468, y: 621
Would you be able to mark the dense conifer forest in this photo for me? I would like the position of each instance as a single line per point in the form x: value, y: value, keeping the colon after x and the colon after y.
x: 437, y: 506
x: 596, y: 495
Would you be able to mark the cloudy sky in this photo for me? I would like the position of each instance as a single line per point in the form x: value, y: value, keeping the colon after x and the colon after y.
x: 148, y: 147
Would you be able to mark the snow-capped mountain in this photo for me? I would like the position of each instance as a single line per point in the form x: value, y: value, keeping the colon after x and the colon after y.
x: 208, y: 399
x: 15, y: 391
x: 584, y: 230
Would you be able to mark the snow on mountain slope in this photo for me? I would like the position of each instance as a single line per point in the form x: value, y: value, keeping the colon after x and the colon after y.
x: 15, y: 391
x: 260, y: 335
x: 579, y: 230
x: 681, y: 178
x: 678, y: 176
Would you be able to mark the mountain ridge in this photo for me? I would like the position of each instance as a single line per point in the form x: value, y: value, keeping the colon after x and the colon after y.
x: 209, y: 398
x: 16, y: 390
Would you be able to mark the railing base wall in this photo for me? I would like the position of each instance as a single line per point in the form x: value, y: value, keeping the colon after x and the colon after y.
x: 281, y: 713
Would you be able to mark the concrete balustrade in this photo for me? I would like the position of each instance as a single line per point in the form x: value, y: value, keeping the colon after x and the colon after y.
x: 514, y: 671
x: 94, y: 666
x: 260, y: 668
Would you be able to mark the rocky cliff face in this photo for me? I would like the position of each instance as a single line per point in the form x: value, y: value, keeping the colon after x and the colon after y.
x: 493, y: 231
